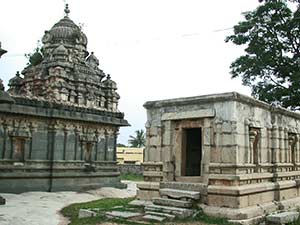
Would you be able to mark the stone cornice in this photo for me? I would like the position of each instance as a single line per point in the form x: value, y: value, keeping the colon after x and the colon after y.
x: 223, y: 97
x: 46, y: 109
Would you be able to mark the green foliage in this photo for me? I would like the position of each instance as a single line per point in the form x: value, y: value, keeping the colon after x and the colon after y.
x: 36, y: 57
x: 104, y: 205
x: 139, y: 140
x: 297, y: 221
x: 270, y: 66
x: 201, y: 217
x: 117, y: 204
x: 121, y: 145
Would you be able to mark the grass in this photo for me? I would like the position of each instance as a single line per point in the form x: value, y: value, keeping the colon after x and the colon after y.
x: 103, y: 205
x: 132, y: 177
x: 297, y: 222
x: 201, y: 217
x: 110, y: 204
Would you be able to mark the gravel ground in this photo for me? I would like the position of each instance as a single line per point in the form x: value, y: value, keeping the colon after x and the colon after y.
x: 42, y: 208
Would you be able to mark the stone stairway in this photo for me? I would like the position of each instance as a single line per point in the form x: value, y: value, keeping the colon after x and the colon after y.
x: 176, y: 200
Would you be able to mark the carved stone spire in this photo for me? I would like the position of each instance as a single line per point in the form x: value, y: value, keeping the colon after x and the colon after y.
x: 67, y: 73
x: 67, y: 10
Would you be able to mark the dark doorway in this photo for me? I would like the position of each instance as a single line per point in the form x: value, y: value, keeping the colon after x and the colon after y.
x: 193, y: 152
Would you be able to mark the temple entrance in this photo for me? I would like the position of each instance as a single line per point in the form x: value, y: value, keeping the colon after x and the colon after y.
x: 192, y: 152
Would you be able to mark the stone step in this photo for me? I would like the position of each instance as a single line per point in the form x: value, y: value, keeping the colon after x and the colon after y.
x: 122, y: 214
x: 172, y: 202
x: 137, y: 202
x: 167, y: 215
x: 179, y: 212
x: 283, y: 218
x: 187, y: 186
x: 153, y: 217
x: 178, y: 194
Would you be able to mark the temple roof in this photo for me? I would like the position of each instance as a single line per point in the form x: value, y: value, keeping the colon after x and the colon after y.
x: 64, y: 71
x: 67, y: 31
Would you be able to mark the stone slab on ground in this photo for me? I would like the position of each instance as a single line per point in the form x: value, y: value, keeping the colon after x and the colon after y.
x: 180, y: 212
x: 167, y: 215
x: 122, y: 214
x: 83, y: 213
x: 255, y: 220
x: 172, y: 202
x: 148, y: 185
x: 152, y: 217
x: 137, y: 202
x: 174, y: 193
x: 283, y: 218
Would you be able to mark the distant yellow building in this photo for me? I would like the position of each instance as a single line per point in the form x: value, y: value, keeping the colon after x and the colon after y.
x: 128, y: 155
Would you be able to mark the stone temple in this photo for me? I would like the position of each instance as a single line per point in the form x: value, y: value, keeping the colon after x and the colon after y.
x: 59, y: 120
x: 238, y: 157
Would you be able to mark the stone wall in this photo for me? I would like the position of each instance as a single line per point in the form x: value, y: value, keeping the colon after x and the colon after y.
x: 56, y: 148
x: 250, y: 150
x: 130, y: 169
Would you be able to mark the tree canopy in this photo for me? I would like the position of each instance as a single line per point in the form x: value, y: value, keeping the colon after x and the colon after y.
x: 139, y: 140
x: 271, y: 63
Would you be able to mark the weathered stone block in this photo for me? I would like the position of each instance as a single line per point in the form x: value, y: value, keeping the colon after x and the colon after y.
x: 155, y: 141
x: 153, y: 131
x: 147, y: 194
x: 83, y: 213
x: 154, y: 217
x: 155, y: 154
x: 203, y: 113
x: 174, y: 193
x: 167, y: 137
x: 283, y: 218
x: 122, y: 214
x: 167, y: 215
x: 172, y: 202
x: 148, y: 185
x: 180, y: 212
x: 167, y: 153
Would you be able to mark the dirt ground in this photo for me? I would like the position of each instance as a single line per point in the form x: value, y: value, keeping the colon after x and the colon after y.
x: 42, y: 208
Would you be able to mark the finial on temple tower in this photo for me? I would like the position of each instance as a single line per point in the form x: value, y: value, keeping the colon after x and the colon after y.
x: 67, y: 10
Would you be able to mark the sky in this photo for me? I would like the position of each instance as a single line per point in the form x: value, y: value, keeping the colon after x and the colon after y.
x: 153, y: 49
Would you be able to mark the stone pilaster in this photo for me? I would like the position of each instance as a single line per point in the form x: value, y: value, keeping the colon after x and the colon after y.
x: 5, y: 137
x: 275, y: 145
x: 76, y: 145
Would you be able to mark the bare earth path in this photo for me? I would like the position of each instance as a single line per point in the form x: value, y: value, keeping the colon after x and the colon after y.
x: 41, y: 208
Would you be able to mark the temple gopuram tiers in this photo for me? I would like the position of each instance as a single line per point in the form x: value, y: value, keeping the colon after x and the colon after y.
x: 59, y: 119
x: 63, y: 71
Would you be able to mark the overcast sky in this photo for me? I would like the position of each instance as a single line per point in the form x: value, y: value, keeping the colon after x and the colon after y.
x: 153, y: 49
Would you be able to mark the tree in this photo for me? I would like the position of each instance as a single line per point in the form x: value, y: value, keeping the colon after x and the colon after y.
x: 276, y: 0
x: 121, y: 145
x: 139, y: 140
x: 271, y: 65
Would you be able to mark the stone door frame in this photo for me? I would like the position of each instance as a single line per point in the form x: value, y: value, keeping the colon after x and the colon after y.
x: 173, y: 124
x: 179, y: 143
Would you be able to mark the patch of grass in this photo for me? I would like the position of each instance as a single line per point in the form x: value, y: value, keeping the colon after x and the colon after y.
x: 132, y: 177
x: 103, y: 205
x: 209, y: 219
x: 117, y: 204
x: 200, y: 218
x: 297, y: 222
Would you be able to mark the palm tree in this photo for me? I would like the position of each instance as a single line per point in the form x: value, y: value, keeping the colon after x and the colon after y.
x: 139, y: 140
